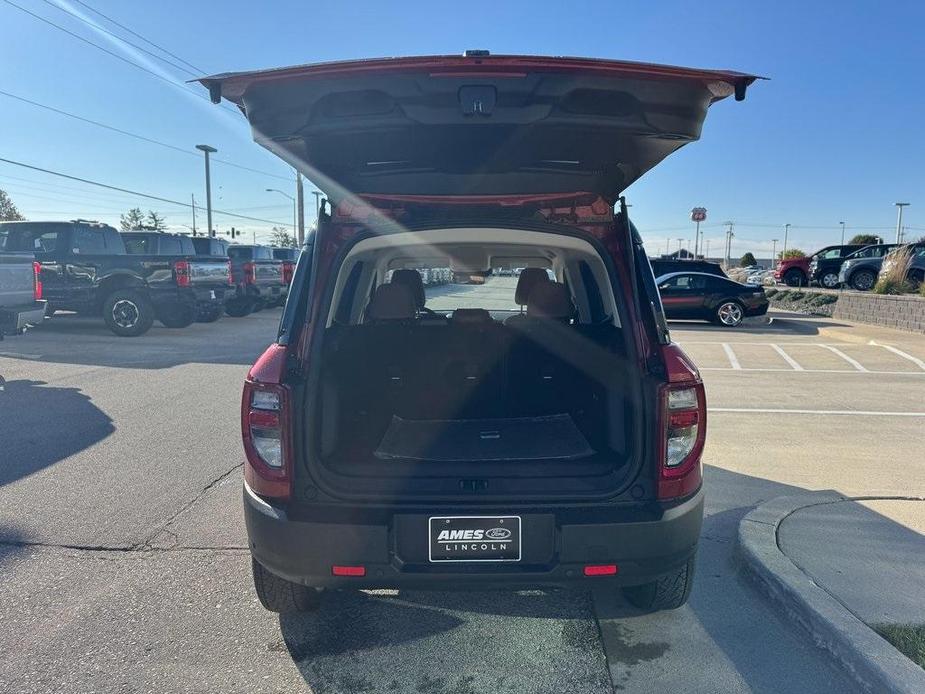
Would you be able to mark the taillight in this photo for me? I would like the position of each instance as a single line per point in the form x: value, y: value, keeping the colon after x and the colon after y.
x: 266, y: 426
x: 230, y: 276
x: 287, y: 272
x: 250, y: 273
x: 682, y: 426
x: 37, y: 280
x: 181, y: 272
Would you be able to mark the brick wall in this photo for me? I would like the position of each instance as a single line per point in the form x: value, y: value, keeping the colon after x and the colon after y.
x: 902, y: 312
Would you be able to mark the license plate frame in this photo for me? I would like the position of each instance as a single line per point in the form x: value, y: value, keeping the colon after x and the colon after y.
x: 458, y: 549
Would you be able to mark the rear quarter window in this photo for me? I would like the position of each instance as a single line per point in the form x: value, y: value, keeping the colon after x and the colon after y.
x: 89, y: 241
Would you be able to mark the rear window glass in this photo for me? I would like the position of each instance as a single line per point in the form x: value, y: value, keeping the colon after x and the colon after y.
x: 89, y: 241
x: 25, y: 240
x: 137, y: 245
x: 262, y: 253
x: 240, y: 252
x: 170, y: 245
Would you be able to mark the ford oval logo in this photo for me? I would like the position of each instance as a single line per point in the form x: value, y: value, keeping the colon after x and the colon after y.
x: 498, y: 534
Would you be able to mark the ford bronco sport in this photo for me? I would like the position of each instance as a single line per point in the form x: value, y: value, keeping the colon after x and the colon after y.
x: 543, y: 432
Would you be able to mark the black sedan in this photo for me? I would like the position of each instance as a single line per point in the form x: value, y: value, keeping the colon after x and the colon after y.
x: 703, y: 296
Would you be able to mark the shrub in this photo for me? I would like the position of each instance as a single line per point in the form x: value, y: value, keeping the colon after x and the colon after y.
x: 791, y: 253
x: 773, y: 292
x: 893, y: 280
x: 747, y: 260
x: 865, y: 239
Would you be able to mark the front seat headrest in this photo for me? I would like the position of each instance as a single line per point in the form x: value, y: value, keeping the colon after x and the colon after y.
x: 550, y: 300
x: 391, y: 302
x: 528, y: 279
x: 471, y: 316
x: 411, y: 279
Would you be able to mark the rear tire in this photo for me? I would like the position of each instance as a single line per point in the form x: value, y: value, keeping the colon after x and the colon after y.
x: 730, y: 314
x: 916, y: 277
x: 863, y: 280
x: 669, y: 592
x: 177, y: 316
x: 128, y: 313
x: 279, y: 595
x: 209, y: 315
x: 794, y: 278
x: 238, y: 308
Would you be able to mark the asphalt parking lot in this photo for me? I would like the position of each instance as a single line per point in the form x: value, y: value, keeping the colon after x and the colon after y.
x: 123, y: 563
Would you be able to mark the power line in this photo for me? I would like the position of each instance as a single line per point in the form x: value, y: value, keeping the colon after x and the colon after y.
x: 178, y: 85
x: 97, y: 27
x: 135, y: 192
x: 143, y: 138
x: 135, y: 33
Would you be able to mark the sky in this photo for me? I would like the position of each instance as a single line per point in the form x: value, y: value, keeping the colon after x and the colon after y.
x: 835, y: 134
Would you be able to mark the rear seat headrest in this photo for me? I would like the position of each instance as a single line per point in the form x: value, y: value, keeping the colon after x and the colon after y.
x: 412, y: 280
x: 391, y: 302
x: 470, y: 316
x: 529, y: 278
x: 550, y: 300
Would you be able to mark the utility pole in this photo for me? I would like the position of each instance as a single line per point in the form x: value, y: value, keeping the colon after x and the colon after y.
x: 254, y: 237
x: 786, y: 234
x: 773, y: 252
x: 899, y: 220
x: 707, y: 254
x: 300, y: 207
x: 842, y: 233
x: 729, y: 236
x: 680, y: 241
x: 193, y: 199
x: 207, y: 150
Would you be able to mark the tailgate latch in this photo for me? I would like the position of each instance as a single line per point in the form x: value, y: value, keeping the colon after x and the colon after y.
x: 478, y: 99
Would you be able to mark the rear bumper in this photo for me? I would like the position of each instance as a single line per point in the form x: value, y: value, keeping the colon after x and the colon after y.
x: 394, y: 551
x: 263, y: 292
x: 197, y: 297
x: 15, y: 319
x: 759, y: 310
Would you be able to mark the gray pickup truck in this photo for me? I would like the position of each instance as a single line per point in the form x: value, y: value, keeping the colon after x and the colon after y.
x: 21, y: 302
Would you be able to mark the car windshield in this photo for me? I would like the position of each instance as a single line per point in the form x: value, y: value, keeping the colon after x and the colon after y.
x: 472, y: 347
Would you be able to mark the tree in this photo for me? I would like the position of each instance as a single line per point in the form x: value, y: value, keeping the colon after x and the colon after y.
x: 747, y: 260
x: 280, y: 236
x: 8, y: 210
x: 865, y: 239
x: 133, y: 219
x: 155, y: 222
x: 791, y: 253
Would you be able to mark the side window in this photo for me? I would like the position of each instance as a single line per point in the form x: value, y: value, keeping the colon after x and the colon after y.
x: 136, y: 245
x: 684, y: 282
x: 186, y: 245
x: 88, y: 242
x: 169, y: 246
x: 834, y: 253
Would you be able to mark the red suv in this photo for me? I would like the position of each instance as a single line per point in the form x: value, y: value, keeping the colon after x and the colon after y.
x: 538, y: 430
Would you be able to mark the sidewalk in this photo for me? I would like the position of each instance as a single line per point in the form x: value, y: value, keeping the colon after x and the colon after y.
x: 842, y: 568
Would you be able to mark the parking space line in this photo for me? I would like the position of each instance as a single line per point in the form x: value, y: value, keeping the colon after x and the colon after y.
x: 814, y: 371
x: 834, y: 350
x: 777, y: 410
x: 787, y: 358
x: 915, y: 360
x: 733, y: 360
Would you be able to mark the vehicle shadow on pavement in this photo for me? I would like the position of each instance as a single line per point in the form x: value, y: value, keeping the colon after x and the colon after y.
x: 782, y: 323
x: 74, y: 339
x: 449, y: 642
x: 38, y: 428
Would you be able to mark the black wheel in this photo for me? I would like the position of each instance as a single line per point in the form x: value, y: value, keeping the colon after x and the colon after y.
x: 128, y: 313
x: 669, y: 592
x: 916, y: 277
x: 258, y: 305
x: 177, y: 316
x: 794, y: 278
x: 209, y: 315
x: 238, y: 308
x: 863, y: 280
x: 829, y: 280
x: 730, y: 313
x: 279, y: 595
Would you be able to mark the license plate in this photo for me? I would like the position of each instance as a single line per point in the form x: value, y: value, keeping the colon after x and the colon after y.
x: 211, y: 293
x: 474, y: 538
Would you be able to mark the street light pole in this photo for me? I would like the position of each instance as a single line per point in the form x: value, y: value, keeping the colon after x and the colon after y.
x: 300, y: 209
x: 773, y: 252
x: 207, y: 150
x: 786, y: 234
x: 842, y: 233
x: 899, y: 220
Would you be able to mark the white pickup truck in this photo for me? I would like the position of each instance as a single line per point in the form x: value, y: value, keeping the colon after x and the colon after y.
x: 21, y: 303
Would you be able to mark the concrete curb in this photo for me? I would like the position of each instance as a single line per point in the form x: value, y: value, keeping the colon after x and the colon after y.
x: 873, y: 663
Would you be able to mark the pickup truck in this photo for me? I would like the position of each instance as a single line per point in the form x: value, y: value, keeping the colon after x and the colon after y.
x: 289, y: 258
x: 800, y: 272
x: 21, y: 303
x: 258, y: 279
x: 83, y: 266
x: 207, y: 272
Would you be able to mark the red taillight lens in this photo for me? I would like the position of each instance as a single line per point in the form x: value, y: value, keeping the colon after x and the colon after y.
x: 266, y: 426
x: 37, y: 280
x: 250, y: 273
x: 288, y: 269
x: 682, y: 426
x: 356, y: 571
x: 181, y: 272
x: 230, y: 277
x: 601, y: 570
